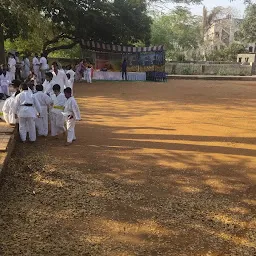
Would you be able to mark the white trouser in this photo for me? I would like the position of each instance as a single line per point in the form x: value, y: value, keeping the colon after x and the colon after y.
x: 89, y: 77
x: 57, y: 124
x: 27, y: 124
x: 71, y: 123
x: 42, y: 122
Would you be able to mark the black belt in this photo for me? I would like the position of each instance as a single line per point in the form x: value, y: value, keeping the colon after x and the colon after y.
x: 27, y: 105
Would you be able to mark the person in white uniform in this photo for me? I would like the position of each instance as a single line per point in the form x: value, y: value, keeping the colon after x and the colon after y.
x: 36, y: 66
x: 8, y: 107
x: 48, y: 83
x: 70, y: 83
x: 26, y: 109
x: 43, y: 67
x: 18, y: 66
x: 72, y: 73
x: 12, y: 66
x: 89, y: 74
x: 56, y: 116
x: 26, y: 67
x: 59, y: 77
x: 71, y: 114
x: 45, y: 102
x: 5, y: 80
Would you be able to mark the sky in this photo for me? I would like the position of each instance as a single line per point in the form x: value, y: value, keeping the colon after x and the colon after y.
x: 198, y: 9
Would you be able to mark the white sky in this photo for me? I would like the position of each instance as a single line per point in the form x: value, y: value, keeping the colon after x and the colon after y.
x: 198, y: 9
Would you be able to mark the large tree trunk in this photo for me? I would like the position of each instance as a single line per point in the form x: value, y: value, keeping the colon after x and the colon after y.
x: 2, y: 53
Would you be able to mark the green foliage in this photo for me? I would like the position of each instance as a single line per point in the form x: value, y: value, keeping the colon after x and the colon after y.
x: 73, y: 53
x: 248, y: 26
x: 62, y: 24
x: 179, y: 31
x: 226, y: 54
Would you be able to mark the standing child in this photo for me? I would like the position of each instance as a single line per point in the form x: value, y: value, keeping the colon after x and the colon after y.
x: 36, y: 66
x: 71, y: 114
x: 12, y: 66
x: 5, y: 80
x: 70, y: 83
x: 89, y: 74
x: 45, y: 101
x: 26, y: 107
x: 48, y: 83
x: 57, y: 119
x: 8, y: 107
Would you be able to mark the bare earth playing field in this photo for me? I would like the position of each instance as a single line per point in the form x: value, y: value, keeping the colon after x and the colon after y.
x: 158, y: 169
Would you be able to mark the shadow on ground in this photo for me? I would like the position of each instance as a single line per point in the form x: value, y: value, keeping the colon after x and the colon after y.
x: 148, y: 178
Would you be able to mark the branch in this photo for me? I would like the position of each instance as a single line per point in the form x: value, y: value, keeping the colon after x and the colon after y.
x: 56, y: 40
x: 60, y: 47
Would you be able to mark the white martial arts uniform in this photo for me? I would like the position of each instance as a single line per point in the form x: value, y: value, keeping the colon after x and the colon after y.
x: 12, y: 67
x: 48, y: 87
x: 27, y: 114
x: 26, y: 68
x: 8, y: 110
x: 5, y: 81
x: 42, y: 121
x: 71, y: 114
x: 70, y: 84
x: 44, y: 67
x: 89, y: 75
x: 56, y: 116
x: 60, y: 79
x: 2, y: 102
x: 36, y: 66
x: 72, y: 75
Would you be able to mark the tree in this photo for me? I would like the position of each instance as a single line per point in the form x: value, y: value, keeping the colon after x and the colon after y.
x: 179, y: 31
x: 248, y: 26
x: 226, y: 54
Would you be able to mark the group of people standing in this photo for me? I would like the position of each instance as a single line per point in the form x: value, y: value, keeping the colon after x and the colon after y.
x: 21, y: 68
x: 39, y: 95
x: 84, y: 71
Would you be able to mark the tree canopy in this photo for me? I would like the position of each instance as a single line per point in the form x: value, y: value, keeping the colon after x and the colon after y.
x: 248, y: 26
x: 179, y: 31
x: 61, y: 24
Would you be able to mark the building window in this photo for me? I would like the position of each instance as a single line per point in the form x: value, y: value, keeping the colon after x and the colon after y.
x: 240, y: 60
x: 250, y: 49
x: 246, y: 59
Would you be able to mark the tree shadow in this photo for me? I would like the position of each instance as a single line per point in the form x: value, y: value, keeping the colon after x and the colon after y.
x: 131, y: 185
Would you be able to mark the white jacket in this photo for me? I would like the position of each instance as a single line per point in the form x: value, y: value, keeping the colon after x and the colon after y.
x: 26, y: 97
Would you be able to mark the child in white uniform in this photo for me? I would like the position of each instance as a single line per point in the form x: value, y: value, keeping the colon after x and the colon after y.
x: 70, y: 83
x: 71, y: 114
x: 89, y: 74
x: 12, y: 66
x: 5, y: 80
x: 8, y: 107
x: 45, y: 102
x: 57, y: 119
x: 26, y: 107
x: 48, y: 83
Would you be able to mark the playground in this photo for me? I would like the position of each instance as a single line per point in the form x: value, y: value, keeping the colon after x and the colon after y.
x: 157, y: 169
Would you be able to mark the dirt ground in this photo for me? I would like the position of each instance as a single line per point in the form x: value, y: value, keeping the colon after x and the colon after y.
x: 157, y: 169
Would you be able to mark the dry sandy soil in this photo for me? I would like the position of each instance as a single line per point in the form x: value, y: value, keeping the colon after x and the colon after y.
x: 158, y: 169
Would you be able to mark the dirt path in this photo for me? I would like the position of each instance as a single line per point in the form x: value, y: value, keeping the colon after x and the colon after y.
x: 158, y: 169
